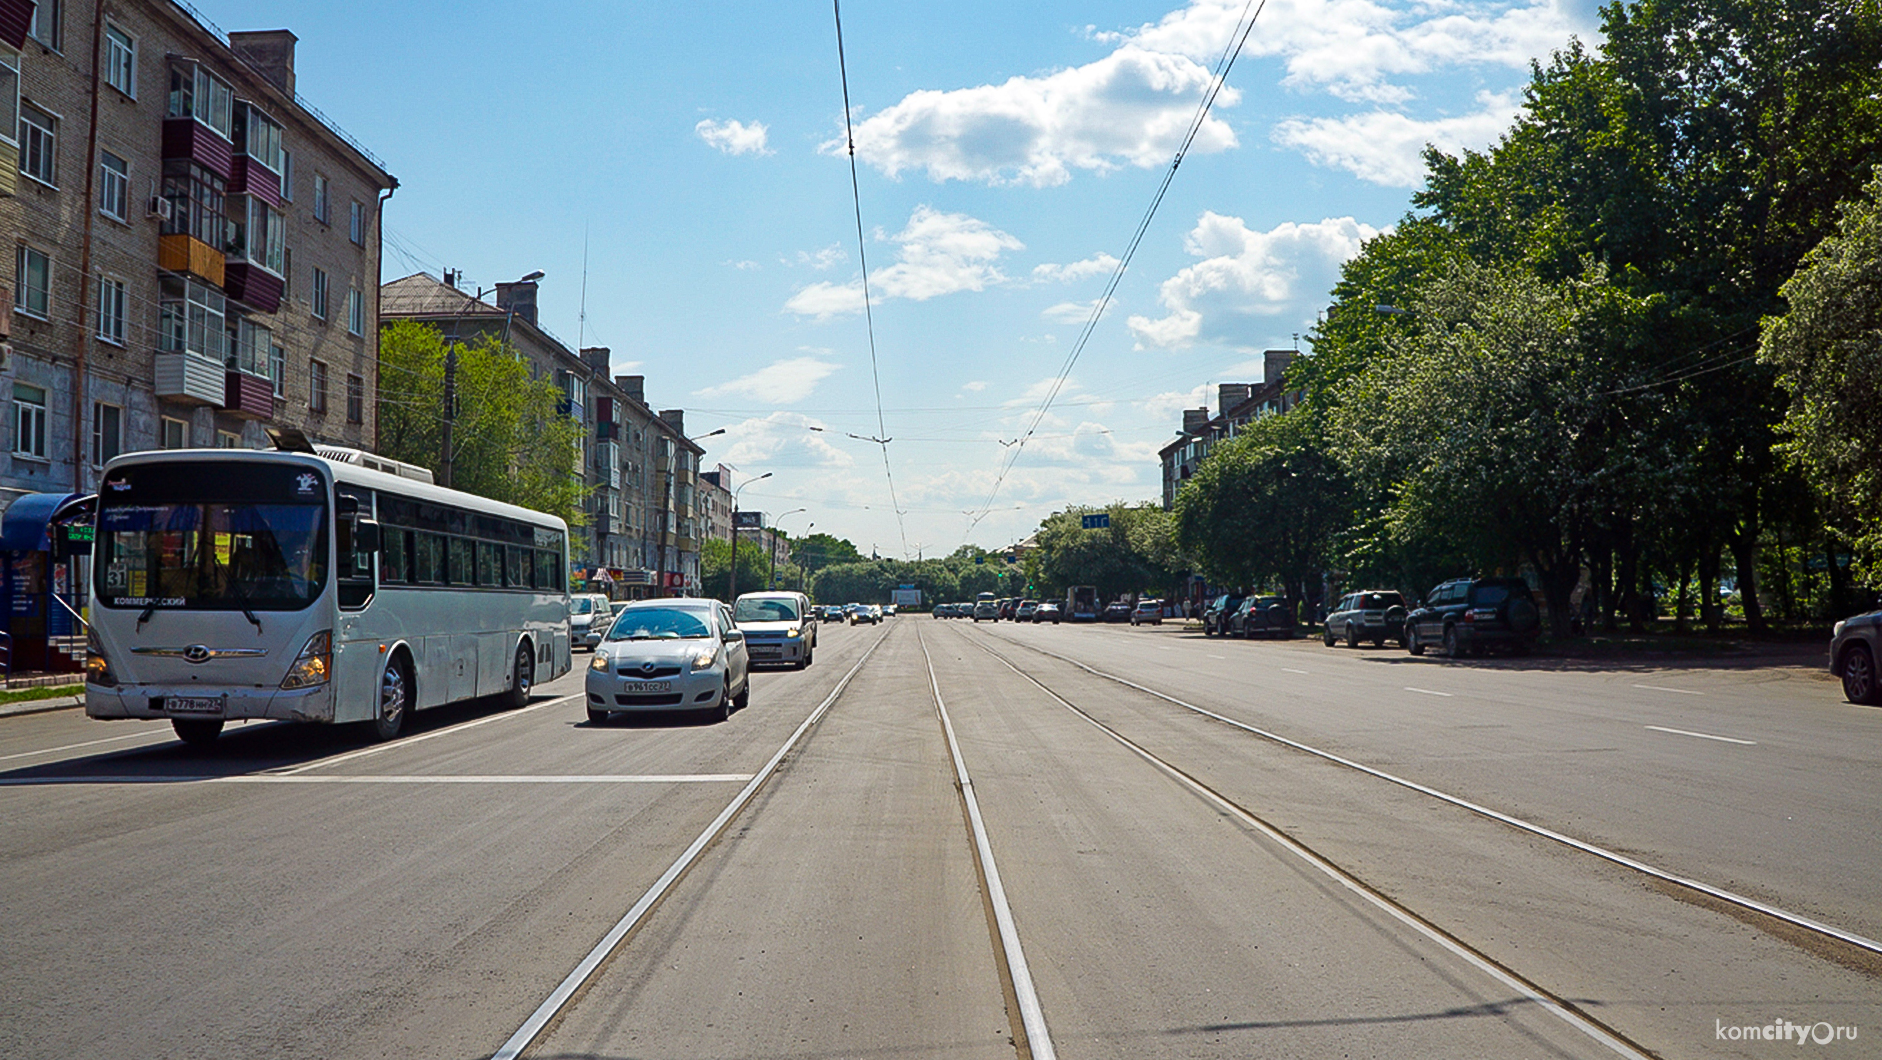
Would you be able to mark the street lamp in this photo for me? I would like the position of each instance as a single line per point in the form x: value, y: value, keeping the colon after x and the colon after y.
x: 774, y: 546
x: 732, y: 585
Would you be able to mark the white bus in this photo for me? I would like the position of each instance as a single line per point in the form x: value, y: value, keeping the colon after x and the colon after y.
x: 312, y: 587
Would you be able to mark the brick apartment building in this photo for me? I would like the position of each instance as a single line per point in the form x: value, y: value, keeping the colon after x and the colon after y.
x: 1237, y: 405
x: 195, y: 248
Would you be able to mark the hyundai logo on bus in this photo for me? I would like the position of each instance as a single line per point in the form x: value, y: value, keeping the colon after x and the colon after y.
x: 197, y: 653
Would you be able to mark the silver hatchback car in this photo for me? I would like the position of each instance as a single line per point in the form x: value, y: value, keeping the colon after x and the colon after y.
x: 676, y: 654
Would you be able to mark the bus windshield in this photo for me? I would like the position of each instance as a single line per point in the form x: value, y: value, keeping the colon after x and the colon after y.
x: 211, y: 556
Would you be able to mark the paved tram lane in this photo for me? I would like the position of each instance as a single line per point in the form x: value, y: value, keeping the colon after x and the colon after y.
x: 1653, y: 963
x: 1157, y: 925
x: 415, y: 899
x: 840, y: 916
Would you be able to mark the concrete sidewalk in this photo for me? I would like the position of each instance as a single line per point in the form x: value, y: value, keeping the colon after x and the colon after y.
x: 40, y: 706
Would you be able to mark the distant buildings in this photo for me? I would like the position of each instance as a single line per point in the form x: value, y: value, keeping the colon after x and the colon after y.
x: 196, y: 249
x: 1237, y: 405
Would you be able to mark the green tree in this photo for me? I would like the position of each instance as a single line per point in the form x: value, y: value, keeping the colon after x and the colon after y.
x: 715, y: 567
x: 1828, y: 351
x: 1129, y: 556
x: 511, y: 443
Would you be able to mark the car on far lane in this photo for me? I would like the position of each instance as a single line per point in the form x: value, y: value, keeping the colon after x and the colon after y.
x: 1116, y: 611
x: 1025, y: 610
x: 1150, y: 611
x: 1048, y: 611
x: 860, y: 613
x: 1855, y: 649
x: 589, y: 614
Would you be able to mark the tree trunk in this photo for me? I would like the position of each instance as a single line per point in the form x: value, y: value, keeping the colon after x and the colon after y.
x: 1839, y: 577
x: 1560, y: 574
x: 1711, y: 612
x: 1745, y: 557
x: 1682, y: 615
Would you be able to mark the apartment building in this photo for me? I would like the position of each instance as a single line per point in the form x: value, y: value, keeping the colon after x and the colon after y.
x: 1237, y: 405
x: 196, y: 248
x: 637, y: 465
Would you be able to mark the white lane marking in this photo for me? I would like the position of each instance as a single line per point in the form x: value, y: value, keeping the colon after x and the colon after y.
x: 1702, y: 735
x: 434, y: 734
x: 1218, y: 656
x: 163, y: 735
x: 1352, y: 883
x: 1680, y: 691
x: 1859, y: 941
x: 1165, y: 647
x: 558, y: 997
x: 1427, y: 691
x: 1291, y: 670
x: 1032, y: 1017
x: 416, y: 778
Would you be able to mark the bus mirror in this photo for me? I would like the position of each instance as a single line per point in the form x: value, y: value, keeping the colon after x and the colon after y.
x: 366, y: 536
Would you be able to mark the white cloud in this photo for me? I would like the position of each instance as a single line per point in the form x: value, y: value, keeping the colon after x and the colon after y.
x: 781, y: 436
x: 1168, y: 407
x: 1069, y: 312
x: 975, y: 386
x: 745, y: 265
x: 1247, y: 277
x: 1100, y: 264
x: 781, y: 382
x: 937, y: 253
x: 1387, y: 148
x: 825, y: 258
x: 734, y: 137
x: 1130, y: 107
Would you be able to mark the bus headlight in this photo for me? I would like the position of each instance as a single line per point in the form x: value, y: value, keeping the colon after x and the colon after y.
x: 97, y: 667
x: 315, y: 664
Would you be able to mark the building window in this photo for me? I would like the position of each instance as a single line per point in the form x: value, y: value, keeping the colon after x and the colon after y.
x: 47, y: 26
x: 9, y: 93
x: 355, y: 399
x: 39, y: 134
x: 107, y: 432
x: 320, y: 198
x: 114, y: 186
x: 355, y: 311
x: 173, y: 433
x: 29, y: 421
x: 113, y: 300
x: 120, y: 60
x: 320, y: 293
x: 278, y: 369
x: 228, y: 440
x: 195, y: 193
x: 253, y: 344
x: 259, y: 137
x: 358, y: 224
x: 194, y: 319
x: 287, y: 175
x: 257, y: 234
x: 32, y: 287
x: 317, y: 386
x: 196, y: 93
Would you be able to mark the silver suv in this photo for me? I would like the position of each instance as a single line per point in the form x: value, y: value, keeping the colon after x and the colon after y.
x: 1374, y: 615
x: 1854, y: 650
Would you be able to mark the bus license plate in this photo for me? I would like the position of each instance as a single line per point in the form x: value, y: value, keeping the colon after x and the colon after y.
x: 648, y: 686
x: 194, y: 704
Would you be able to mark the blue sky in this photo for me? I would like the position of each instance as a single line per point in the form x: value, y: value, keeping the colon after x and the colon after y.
x: 1006, y: 153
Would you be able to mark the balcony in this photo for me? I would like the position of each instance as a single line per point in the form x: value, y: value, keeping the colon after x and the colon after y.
x: 252, y: 285
x: 191, y: 139
x: 248, y: 395
x: 9, y: 169
x: 192, y: 379
x: 249, y: 177
x: 607, y: 430
x: 187, y: 254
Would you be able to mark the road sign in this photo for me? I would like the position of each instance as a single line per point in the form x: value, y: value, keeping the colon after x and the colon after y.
x: 1098, y: 521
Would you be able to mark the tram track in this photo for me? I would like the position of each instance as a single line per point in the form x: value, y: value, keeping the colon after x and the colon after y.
x: 1845, y: 946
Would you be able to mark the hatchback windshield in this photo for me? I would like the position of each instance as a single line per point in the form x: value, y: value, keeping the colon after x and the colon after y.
x: 762, y: 610
x: 659, y: 623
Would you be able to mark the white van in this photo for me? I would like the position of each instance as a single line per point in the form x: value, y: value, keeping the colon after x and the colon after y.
x: 778, y: 627
x: 589, y: 616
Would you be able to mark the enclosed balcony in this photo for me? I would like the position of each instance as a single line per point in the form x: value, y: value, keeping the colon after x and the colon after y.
x: 190, y: 256
x: 191, y: 379
x: 247, y: 395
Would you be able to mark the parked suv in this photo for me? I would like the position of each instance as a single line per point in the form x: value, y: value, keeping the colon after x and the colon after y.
x: 1468, y: 616
x: 1372, y: 615
x: 1261, y: 616
x: 1854, y: 651
x: 1150, y: 611
x: 1216, y: 612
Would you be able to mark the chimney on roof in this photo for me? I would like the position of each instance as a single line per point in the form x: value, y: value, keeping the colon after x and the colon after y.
x: 1229, y: 395
x: 1195, y: 420
x: 518, y: 297
x: 634, y: 385
x: 675, y: 418
x: 270, y: 52
x: 596, y: 357
x: 1274, y: 365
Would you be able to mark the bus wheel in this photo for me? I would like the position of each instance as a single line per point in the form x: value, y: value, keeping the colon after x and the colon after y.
x: 197, y: 732
x: 395, y: 700
x: 523, y: 676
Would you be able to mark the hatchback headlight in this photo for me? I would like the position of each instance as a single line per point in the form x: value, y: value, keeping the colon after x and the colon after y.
x: 705, y: 658
x: 314, y: 665
x: 599, y: 663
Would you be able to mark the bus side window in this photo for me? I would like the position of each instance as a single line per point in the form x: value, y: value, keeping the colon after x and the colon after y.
x: 516, y: 573
x: 459, y: 549
x: 429, y: 554
x: 394, y: 544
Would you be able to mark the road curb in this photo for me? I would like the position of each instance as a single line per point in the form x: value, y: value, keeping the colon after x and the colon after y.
x: 41, y: 706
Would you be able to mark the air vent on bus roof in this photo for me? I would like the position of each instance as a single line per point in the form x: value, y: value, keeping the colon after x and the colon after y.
x: 377, y: 463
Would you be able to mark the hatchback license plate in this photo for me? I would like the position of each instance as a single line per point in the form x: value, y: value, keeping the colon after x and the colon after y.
x: 194, y: 704
x: 647, y: 686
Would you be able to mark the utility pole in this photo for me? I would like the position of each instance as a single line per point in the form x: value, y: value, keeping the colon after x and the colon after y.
x: 450, y: 407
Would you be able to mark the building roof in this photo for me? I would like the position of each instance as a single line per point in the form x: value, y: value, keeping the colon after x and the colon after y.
x: 422, y: 295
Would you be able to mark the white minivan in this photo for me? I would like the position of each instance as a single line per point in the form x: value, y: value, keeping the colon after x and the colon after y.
x: 778, y: 627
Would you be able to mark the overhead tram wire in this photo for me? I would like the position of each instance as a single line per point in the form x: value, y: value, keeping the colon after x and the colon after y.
x: 882, y: 438
x: 1237, y: 39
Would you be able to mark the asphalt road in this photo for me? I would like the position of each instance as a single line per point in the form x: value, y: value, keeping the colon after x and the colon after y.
x: 1171, y: 882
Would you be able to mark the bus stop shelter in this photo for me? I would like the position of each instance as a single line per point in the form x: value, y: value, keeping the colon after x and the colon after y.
x: 45, y: 556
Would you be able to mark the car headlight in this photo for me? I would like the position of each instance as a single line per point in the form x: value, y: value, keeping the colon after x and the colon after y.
x: 793, y: 633
x: 705, y: 659
x: 599, y: 663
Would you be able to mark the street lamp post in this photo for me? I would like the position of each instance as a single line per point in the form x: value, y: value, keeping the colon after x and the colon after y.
x: 774, y: 546
x: 732, y: 585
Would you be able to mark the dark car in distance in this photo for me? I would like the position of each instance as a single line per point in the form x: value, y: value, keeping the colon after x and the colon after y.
x: 1261, y: 616
x: 1116, y: 611
x: 1472, y: 615
x: 1048, y: 611
x: 1216, y: 612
